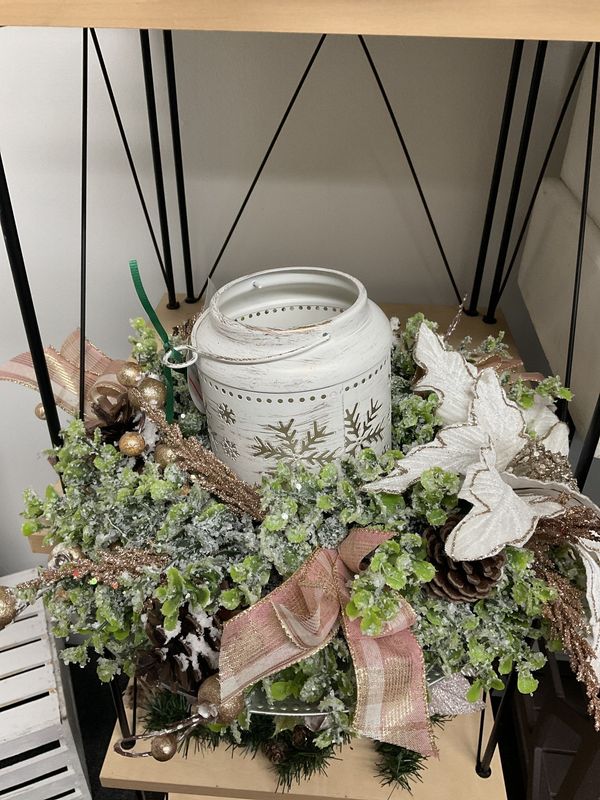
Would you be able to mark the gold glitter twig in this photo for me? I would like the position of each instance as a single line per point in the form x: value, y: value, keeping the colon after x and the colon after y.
x: 566, y: 614
x: 211, y: 473
x: 108, y: 570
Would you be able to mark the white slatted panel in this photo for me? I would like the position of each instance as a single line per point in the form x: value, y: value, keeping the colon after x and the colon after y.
x: 34, y: 767
x: 23, y: 631
x: 23, y: 658
x: 32, y: 713
x: 27, y: 685
x: 24, y: 720
x: 45, y: 788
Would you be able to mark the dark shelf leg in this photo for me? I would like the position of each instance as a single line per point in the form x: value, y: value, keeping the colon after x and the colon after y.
x: 550, y: 149
x: 483, y: 764
x: 158, y: 171
x: 30, y: 323
x: 509, y: 101
x: 534, y: 88
x: 83, y: 219
x: 179, y: 173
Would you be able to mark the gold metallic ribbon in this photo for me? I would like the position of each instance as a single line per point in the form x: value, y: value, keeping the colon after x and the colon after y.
x: 302, y: 615
x: 63, y: 367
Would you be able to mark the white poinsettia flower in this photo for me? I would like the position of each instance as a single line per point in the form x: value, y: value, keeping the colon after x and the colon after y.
x: 542, y: 420
x: 447, y: 373
x: 493, y: 420
x: 483, y: 440
x: 499, y: 515
x: 453, y: 379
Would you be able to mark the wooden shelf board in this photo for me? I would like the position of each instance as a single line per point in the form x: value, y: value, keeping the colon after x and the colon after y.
x: 577, y: 20
x: 36, y: 543
x: 474, y: 327
x: 219, y: 774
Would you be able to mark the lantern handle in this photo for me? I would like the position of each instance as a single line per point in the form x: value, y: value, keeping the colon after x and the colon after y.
x: 239, y: 360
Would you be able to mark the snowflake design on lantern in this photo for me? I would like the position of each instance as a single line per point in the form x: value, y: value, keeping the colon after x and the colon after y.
x: 226, y: 413
x: 288, y: 446
x: 229, y: 448
x: 362, y: 430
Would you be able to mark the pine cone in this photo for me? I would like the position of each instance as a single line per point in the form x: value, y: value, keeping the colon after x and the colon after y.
x: 116, y: 416
x: 182, y: 662
x: 301, y: 736
x: 459, y: 581
x: 275, y: 751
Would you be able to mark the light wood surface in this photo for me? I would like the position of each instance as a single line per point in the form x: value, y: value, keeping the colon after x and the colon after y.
x: 496, y: 19
x: 474, y: 327
x: 219, y: 774
x: 36, y: 543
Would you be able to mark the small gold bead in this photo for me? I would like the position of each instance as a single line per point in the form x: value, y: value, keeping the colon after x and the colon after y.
x: 40, y: 411
x: 210, y: 693
x: 130, y: 375
x: 132, y: 444
x: 164, y: 747
x: 150, y: 391
x: 164, y: 455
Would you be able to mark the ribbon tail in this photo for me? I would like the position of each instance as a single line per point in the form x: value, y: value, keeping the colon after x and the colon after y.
x: 391, y: 702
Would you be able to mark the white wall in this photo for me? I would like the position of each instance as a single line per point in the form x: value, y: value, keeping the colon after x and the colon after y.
x: 336, y: 192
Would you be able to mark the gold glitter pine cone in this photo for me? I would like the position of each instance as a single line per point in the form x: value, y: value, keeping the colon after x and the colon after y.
x: 459, y: 581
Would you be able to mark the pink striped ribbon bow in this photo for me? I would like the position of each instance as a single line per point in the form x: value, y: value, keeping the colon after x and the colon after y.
x: 63, y: 368
x: 302, y: 615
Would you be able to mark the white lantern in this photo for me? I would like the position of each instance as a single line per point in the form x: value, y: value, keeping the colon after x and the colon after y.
x: 294, y: 365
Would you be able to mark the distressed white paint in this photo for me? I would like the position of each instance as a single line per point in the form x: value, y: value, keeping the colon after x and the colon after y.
x: 294, y: 366
x: 33, y: 711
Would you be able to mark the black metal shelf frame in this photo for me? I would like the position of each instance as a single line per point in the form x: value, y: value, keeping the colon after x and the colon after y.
x: 164, y: 256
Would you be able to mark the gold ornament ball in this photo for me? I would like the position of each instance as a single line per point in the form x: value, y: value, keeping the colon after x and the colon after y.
x: 8, y: 607
x: 132, y: 444
x: 210, y: 693
x: 164, y: 455
x: 129, y: 375
x: 39, y: 411
x: 64, y: 554
x: 164, y: 747
x: 153, y: 392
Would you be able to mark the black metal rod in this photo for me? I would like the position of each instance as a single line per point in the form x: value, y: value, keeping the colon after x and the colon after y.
x: 590, y: 443
x: 411, y: 167
x: 534, y: 87
x: 547, y: 157
x: 509, y: 101
x: 134, y: 711
x: 30, y: 323
x: 119, y: 705
x: 582, y: 225
x: 263, y: 163
x: 83, y: 239
x: 178, y: 160
x: 124, y: 727
x: 126, y: 147
x: 481, y: 727
x: 483, y: 766
x: 158, y: 170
